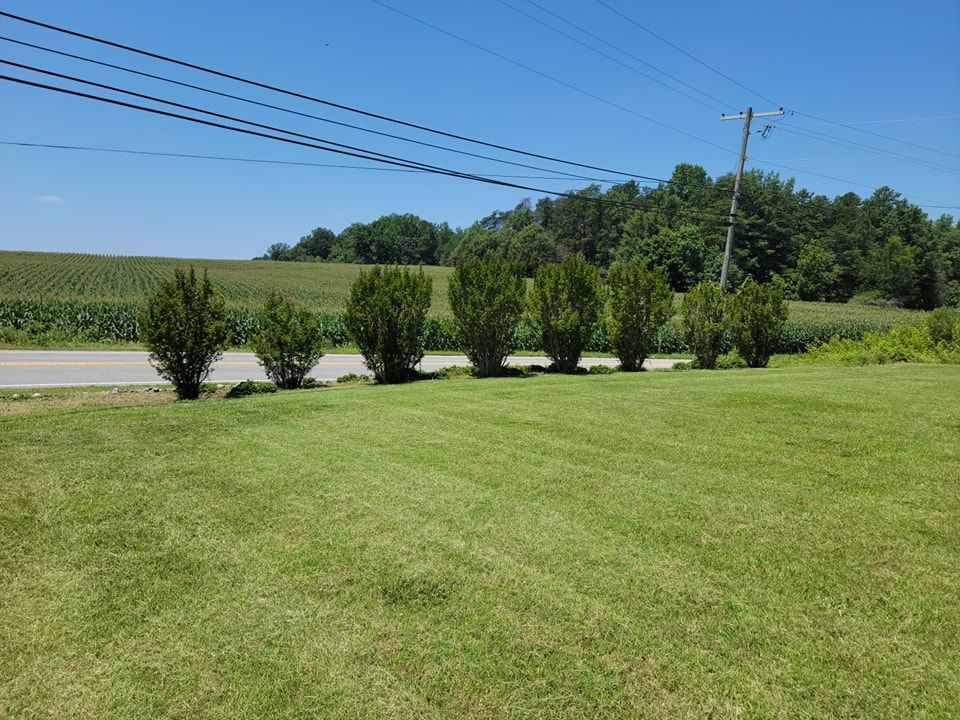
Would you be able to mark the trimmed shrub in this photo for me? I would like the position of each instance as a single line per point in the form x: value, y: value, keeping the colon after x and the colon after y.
x: 385, y: 315
x: 731, y: 361
x: 704, y: 312
x: 352, y: 378
x: 288, y: 343
x: 603, y: 370
x: 184, y: 327
x: 450, y: 373
x: 486, y: 297
x: 565, y: 307
x: 640, y: 302
x: 251, y: 387
x: 944, y: 325
x: 757, y: 315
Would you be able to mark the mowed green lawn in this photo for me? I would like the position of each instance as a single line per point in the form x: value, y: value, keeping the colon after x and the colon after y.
x: 781, y: 543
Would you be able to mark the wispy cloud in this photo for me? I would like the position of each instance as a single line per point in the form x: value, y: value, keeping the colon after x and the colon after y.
x: 48, y: 199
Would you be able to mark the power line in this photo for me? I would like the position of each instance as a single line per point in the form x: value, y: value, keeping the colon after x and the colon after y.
x: 329, y: 103
x: 611, y: 57
x: 194, y: 156
x: 222, y: 116
x: 549, y: 77
x: 853, y: 157
x: 880, y: 135
x: 250, y: 101
x: 851, y: 182
x: 627, y: 53
x: 710, y: 67
x: 689, y: 55
x: 880, y: 152
x: 883, y: 122
x: 292, y: 141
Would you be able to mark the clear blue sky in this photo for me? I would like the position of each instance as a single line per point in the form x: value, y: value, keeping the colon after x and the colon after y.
x: 847, y: 61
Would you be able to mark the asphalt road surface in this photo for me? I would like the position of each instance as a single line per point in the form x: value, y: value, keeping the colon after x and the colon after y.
x: 58, y: 368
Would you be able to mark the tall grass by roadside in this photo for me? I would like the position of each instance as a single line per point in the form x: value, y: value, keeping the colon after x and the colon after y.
x: 906, y: 343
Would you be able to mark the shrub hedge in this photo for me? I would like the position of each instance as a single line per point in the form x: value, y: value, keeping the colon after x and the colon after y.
x: 566, y: 306
x: 288, y: 343
x: 385, y: 315
x: 705, y: 323
x: 487, y: 297
x: 640, y: 301
x: 250, y: 387
x: 183, y: 324
x: 757, y: 314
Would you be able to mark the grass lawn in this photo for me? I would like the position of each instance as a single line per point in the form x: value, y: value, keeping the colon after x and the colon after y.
x: 780, y: 543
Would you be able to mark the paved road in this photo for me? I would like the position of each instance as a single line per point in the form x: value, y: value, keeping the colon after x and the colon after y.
x: 56, y: 368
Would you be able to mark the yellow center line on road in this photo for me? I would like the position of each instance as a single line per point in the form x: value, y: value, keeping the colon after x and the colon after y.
x: 82, y: 363
x: 93, y: 363
x: 39, y: 363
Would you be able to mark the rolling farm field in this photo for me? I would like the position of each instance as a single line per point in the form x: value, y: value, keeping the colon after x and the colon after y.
x: 322, y: 287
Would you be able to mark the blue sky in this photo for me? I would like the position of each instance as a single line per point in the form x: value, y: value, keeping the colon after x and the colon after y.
x: 850, y: 61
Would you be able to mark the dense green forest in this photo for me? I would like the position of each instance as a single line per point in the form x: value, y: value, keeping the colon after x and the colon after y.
x: 882, y: 248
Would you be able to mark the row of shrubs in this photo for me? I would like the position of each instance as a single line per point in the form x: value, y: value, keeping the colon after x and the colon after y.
x: 56, y: 322
x: 184, y: 324
x: 387, y: 310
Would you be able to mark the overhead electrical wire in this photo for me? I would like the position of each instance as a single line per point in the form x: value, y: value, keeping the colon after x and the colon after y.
x: 290, y: 111
x: 880, y: 152
x: 126, y: 151
x: 410, y: 124
x: 852, y: 126
x: 882, y: 122
x: 327, y: 148
x: 629, y: 67
x: 222, y: 116
x: 757, y: 93
x: 760, y: 95
x: 913, y: 198
x: 552, y: 78
x: 820, y: 158
x: 629, y: 54
x: 330, y: 103
x: 689, y: 55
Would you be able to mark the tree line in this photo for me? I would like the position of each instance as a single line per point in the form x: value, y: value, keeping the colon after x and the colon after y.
x: 882, y: 247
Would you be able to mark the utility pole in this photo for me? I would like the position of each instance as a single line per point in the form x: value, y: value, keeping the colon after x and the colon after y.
x: 746, y: 116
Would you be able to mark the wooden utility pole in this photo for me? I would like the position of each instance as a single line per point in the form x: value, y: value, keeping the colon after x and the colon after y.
x: 746, y: 116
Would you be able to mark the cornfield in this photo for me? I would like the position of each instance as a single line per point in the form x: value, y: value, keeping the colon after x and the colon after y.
x: 105, y: 322
x: 322, y: 287
x: 72, y: 298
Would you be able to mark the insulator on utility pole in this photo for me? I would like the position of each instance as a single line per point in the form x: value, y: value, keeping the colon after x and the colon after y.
x: 746, y: 116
